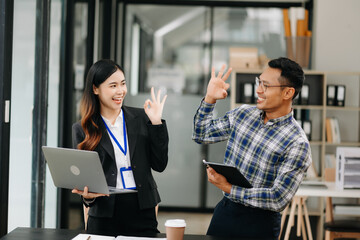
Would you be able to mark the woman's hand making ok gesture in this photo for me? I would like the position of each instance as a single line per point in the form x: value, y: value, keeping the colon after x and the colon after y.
x: 154, y: 108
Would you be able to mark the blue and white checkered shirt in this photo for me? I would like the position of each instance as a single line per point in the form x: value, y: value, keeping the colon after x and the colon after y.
x: 273, y: 157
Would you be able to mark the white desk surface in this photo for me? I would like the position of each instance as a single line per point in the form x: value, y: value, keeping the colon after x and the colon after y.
x: 330, y: 191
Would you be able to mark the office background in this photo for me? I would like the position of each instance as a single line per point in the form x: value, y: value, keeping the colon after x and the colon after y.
x: 185, y: 39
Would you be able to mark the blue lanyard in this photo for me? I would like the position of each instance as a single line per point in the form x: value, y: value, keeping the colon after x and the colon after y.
x: 113, y: 137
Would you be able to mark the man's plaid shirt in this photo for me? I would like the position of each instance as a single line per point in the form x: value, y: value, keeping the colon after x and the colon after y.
x: 273, y: 157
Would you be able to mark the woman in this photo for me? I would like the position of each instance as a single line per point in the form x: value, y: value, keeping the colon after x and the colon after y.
x: 130, y: 142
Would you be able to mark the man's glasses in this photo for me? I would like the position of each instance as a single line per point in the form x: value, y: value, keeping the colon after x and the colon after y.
x: 264, y: 86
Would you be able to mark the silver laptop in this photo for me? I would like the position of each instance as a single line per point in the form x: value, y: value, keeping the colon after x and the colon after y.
x: 72, y: 168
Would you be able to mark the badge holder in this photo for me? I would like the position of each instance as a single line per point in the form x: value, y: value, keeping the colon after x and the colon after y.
x: 127, y: 178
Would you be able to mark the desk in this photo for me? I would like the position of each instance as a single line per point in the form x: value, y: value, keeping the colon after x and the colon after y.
x: 329, y: 192
x: 65, y: 234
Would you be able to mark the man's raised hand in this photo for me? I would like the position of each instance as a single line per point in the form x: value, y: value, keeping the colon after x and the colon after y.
x: 217, y: 86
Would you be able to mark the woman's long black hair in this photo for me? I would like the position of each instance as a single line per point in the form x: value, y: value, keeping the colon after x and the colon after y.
x: 90, y: 105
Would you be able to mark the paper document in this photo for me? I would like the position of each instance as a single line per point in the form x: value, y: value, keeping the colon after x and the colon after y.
x: 92, y: 237
x: 137, y: 238
x: 101, y: 237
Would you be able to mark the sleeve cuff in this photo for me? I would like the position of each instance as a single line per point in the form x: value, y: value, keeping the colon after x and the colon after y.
x: 236, y: 193
x: 207, y: 104
x: 157, y: 125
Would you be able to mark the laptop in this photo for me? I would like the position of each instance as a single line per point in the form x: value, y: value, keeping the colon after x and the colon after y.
x: 73, y: 168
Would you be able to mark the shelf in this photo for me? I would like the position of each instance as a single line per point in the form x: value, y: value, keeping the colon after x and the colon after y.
x: 351, y: 186
x: 344, y: 73
x: 351, y: 162
x: 312, y: 107
x: 352, y: 174
x: 315, y: 143
x: 309, y: 107
x: 345, y: 144
x: 342, y: 108
x: 347, y: 210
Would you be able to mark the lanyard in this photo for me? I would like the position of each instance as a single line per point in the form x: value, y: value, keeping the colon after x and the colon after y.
x: 113, y: 137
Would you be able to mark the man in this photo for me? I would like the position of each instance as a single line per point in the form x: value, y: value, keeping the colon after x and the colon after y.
x: 264, y: 142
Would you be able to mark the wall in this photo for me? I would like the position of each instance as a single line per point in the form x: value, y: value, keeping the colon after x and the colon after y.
x: 336, y: 45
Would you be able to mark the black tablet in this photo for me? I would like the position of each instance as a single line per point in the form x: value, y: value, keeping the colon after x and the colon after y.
x: 232, y: 174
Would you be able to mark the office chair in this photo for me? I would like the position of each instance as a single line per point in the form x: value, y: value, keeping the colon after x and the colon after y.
x: 339, y: 228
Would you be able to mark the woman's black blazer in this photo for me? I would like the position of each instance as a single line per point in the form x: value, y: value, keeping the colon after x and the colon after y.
x: 148, y: 148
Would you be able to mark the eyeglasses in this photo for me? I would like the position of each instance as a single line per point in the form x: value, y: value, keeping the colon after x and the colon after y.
x: 264, y: 86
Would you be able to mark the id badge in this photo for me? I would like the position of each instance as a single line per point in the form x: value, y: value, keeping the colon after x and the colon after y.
x: 127, y: 178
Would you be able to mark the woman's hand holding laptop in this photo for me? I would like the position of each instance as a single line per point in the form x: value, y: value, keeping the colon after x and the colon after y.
x: 88, y: 195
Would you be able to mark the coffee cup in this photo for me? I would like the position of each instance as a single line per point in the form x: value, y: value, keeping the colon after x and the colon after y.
x: 175, y: 229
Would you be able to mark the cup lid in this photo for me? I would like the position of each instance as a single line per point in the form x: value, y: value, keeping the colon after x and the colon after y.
x: 175, y: 223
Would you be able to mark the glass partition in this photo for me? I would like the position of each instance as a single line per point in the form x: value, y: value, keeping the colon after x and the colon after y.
x: 79, y: 50
x: 53, y: 109
x: 22, y: 97
x: 80, y: 35
x: 171, y: 53
x: 22, y: 92
x: 169, y: 47
x: 173, y: 48
x: 260, y: 28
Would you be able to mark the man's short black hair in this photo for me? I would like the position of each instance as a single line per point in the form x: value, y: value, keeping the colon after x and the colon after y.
x: 291, y: 73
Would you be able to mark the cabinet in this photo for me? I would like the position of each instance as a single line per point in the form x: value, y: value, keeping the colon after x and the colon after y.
x: 347, y: 167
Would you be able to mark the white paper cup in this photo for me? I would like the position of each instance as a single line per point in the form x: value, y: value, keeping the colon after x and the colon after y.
x: 175, y: 229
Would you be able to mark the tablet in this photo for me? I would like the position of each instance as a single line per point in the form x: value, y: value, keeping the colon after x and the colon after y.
x: 232, y: 174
